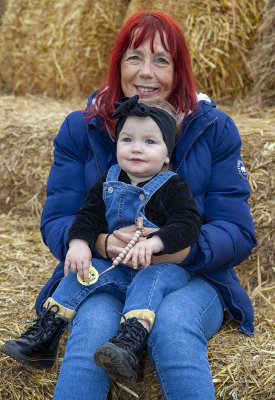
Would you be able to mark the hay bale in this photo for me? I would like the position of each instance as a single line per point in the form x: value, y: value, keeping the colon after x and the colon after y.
x: 242, y: 368
x: 220, y: 35
x: 60, y: 48
x: 2, y: 11
x: 2, y: 8
x: 57, y: 48
x: 263, y: 57
x: 28, y: 126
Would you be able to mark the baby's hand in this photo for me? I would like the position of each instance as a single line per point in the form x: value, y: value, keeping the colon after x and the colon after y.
x: 78, y: 257
x: 142, y: 252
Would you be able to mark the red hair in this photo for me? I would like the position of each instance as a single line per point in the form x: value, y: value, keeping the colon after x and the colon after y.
x: 140, y: 27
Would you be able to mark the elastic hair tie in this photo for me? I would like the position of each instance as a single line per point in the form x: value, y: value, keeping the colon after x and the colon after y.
x: 106, y: 252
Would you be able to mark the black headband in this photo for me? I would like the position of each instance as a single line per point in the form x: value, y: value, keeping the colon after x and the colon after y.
x: 131, y: 106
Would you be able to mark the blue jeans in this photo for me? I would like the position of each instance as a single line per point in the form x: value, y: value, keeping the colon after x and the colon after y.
x: 177, y: 345
x: 145, y: 288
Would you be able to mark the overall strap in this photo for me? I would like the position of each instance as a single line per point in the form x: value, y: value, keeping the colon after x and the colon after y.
x: 156, y: 183
x: 113, y: 173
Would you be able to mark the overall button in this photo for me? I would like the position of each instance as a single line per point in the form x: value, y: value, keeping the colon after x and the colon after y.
x: 110, y: 189
x: 141, y: 197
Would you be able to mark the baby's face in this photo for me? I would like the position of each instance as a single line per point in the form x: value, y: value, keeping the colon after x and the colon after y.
x: 141, y: 150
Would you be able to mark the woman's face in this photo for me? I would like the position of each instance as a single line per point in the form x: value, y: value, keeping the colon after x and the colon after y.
x: 147, y: 74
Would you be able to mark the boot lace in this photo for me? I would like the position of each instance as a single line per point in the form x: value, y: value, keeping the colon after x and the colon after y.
x: 130, y: 334
x: 44, y: 323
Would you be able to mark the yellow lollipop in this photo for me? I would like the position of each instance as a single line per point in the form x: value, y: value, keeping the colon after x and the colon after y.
x: 93, y: 277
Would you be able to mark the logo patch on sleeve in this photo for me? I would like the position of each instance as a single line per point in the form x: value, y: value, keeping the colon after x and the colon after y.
x: 242, y: 170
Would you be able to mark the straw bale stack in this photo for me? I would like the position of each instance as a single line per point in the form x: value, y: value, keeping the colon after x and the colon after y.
x: 263, y: 57
x: 57, y: 48
x: 220, y: 36
x: 242, y: 368
x: 27, y: 131
x: 60, y: 48
x: 2, y: 8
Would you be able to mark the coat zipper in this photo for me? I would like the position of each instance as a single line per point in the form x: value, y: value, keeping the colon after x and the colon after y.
x: 93, y: 150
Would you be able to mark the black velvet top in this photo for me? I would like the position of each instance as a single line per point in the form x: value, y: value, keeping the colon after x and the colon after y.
x: 172, y: 208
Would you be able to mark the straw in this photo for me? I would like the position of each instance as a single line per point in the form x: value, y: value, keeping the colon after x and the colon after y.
x: 57, y: 48
x: 263, y: 57
x: 220, y: 35
x: 60, y: 48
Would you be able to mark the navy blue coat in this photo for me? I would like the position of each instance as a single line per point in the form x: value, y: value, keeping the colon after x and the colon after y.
x: 207, y: 155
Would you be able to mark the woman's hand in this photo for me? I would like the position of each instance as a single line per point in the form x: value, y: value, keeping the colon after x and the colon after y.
x: 121, y: 237
x: 175, y: 258
x: 118, y: 240
x: 78, y: 257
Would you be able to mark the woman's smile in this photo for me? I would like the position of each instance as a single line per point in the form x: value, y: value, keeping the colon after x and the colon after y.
x: 145, y: 89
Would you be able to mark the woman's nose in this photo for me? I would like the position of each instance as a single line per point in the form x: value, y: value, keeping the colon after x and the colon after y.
x: 146, y: 68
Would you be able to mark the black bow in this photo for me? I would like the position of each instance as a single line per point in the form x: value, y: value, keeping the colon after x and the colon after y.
x: 130, y: 106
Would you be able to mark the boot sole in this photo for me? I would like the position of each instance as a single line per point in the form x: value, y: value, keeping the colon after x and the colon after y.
x: 118, y: 369
x: 22, y: 359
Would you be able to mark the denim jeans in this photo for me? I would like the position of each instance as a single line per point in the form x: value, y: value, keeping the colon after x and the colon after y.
x: 177, y: 345
x: 145, y: 288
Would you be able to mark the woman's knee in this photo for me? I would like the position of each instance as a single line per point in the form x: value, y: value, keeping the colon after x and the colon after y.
x: 195, y: 308
x: 177, y: 344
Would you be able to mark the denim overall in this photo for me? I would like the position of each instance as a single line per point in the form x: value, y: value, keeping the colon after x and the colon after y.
x: 141, y: 290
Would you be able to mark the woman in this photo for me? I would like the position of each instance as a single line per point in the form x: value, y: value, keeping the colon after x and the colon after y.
x: 150, y: 59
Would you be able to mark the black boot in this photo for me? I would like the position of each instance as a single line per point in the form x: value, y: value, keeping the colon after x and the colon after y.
x: 121, y: 355
x: 38, y: 345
